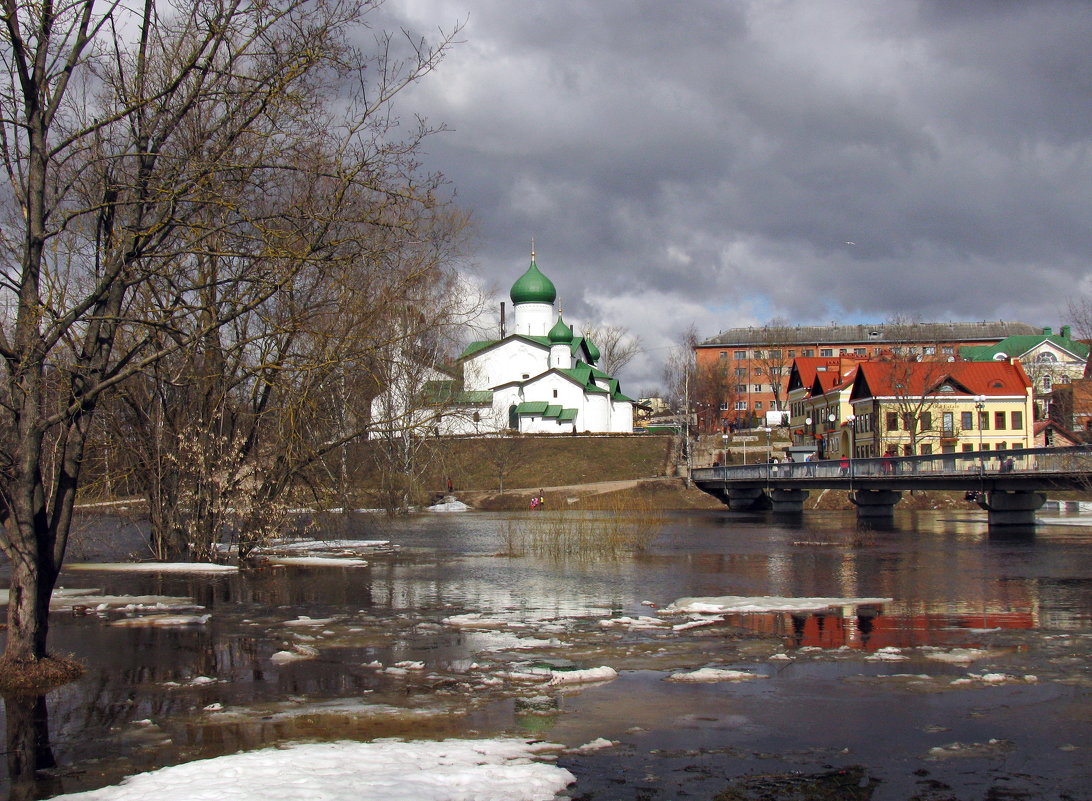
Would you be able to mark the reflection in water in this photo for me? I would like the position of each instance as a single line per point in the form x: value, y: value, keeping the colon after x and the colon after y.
x: 150, y: 696
x: 28, y: 747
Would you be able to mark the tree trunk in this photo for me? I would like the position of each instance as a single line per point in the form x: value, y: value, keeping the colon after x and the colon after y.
x: 32, y: 583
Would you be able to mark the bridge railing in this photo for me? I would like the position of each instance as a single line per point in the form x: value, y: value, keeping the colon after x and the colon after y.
x: 1028, y: 460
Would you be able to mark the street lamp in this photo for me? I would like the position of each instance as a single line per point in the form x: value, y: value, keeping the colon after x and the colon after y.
x: 851, y: 421
x: 979, y: 405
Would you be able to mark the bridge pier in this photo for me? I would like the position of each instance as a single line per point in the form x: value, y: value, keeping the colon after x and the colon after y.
x: 788, y: 500
x: 875, y: 503
x: 1011, y: 508
x: 743, y: 499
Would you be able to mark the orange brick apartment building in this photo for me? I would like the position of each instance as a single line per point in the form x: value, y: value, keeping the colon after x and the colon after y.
x: 748, y: 368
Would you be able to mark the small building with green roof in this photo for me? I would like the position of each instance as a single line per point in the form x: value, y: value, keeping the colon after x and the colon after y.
x: 1047, y: 358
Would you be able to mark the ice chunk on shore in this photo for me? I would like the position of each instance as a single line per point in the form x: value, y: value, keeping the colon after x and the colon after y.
x: 451, y: 505
x: 449, y: 770
x: 162, y: 621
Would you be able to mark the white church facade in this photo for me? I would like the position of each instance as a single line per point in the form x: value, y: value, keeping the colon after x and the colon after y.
x: 541, y: 377
x: 538, y: 378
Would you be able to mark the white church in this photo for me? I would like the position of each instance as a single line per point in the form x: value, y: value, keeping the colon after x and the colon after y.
x: 538, y: 378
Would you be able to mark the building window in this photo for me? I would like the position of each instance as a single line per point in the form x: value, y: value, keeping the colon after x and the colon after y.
x: 1048, y: 383
x: 826, y: 351
x: 843, y: 351
x: 724, y: 406
x: 1002, y: 446
x: 948, y: 350
x: 758, y: 354
x: 984, y: 421
x: 927, y: 421
x: 860, y: 351
x: 757, y: 388
x: 792, y: 354
x: 892, y: 421
x: 741, y: 406
x: 985, y: 446
x: 929, y: 350
x: 741, y: 371
x: 741, y: 387
x: 999, y: 420
x: 1017, y: 421
x: 808, y: 353
x: 966, y: 421
x: 967, y: 447
x: 757, y: 371
x: 775, y: 354
x: 740, y: 355
x: 526, y: 376
x: 477, y: 417
x: 724, y: 354
x: 758, y: 405
x: 926, y: 450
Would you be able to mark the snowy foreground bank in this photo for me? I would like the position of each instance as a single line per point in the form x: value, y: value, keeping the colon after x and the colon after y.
x: 451, y: 770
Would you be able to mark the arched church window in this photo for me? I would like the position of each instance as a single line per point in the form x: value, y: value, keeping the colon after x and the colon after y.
x: 513, y: 418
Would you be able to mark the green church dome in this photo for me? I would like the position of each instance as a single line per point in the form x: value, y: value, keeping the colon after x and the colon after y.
x: 533, y: 287
x: 560, y: 334
x: 593, y: 352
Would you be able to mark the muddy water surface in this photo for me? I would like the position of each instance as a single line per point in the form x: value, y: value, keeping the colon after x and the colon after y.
x: 964, y: 674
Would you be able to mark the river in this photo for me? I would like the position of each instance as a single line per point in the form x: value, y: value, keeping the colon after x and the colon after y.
x: 947, y: 662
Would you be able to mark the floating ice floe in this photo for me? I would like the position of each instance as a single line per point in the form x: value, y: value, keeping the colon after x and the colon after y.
x: 714, y: 674
x: 888, y: 654
x: 298, y: 653
x: 990, y: 748
x: 602, y: 673
x: 161, y: 621
x: 763, y: 603
x: 304, y: 621
x: 154, y: 567
x: 75, y: 598
x: 448, y: 770
x: 315, y: 561
x: 476, y: 620
x: 325, y: 545
x: 598, y: 744
x: 641, y: 622
x: 956, y: 656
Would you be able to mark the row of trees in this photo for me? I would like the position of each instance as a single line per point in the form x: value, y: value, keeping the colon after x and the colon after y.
x: 211, y: 213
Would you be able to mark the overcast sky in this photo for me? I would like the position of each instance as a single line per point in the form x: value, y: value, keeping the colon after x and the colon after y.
x: 723, y: 162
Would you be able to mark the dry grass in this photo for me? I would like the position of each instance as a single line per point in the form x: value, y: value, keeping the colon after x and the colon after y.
x: 618, y: 528
x: 38, y: 675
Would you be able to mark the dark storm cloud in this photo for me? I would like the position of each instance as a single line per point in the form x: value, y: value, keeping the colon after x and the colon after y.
x: 710, y: 161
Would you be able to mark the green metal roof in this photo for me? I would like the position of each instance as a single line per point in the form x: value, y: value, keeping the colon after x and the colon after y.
x: 552, y: 411
x: 533, y: 287
x: 566, y: 416
x: 449, y: 392
x: 1017, y: 346
x: 532, y: 407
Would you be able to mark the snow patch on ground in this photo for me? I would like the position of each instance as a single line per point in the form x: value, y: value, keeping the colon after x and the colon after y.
x: 450, y: 770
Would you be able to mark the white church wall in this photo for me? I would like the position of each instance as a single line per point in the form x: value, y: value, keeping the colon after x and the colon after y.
x: 533, y: 319
x: 509, y: 361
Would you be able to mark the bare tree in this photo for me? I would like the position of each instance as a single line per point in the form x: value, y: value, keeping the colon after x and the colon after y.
x: 617, y: 346
x: 1079, y: 314
x: 772, y: 356
x: 168, y: 171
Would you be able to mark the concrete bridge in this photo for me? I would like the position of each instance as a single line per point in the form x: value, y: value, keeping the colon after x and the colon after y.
x: 1009, y: 485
